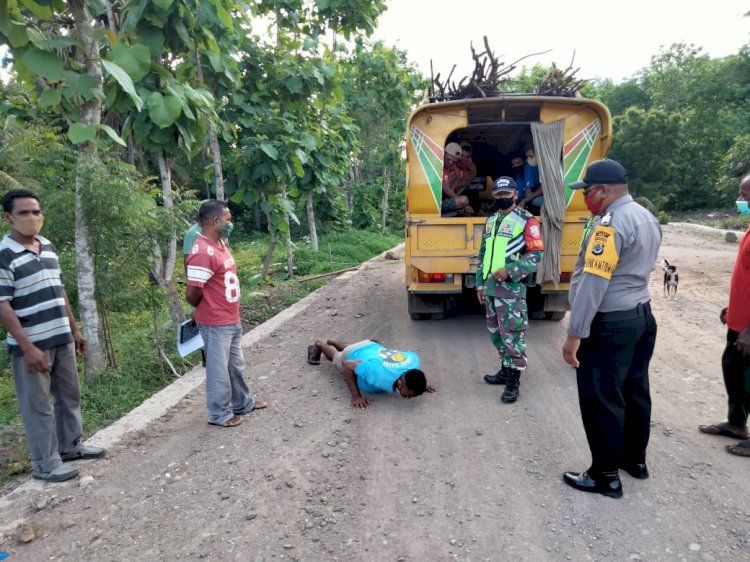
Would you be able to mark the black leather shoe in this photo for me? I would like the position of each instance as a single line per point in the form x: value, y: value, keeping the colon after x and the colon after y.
x: 501, y: 377
x: 636, y: 470
x: 608, y: 485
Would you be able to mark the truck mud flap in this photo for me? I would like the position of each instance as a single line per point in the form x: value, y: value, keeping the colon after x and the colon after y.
x: 425, y: 307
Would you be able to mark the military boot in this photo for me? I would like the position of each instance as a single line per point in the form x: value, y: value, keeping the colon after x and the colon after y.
x: 511, y: 387
x: 501, y: 377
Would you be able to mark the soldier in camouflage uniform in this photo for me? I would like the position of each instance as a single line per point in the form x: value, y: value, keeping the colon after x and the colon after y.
x: 511, y: 249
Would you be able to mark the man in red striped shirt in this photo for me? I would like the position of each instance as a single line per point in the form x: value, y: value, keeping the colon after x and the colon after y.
x: 213, y: 288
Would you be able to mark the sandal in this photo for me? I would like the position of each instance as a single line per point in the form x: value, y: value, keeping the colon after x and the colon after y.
x: 741, y: 449
x: 260, y: 405
x: 724, y: 429
x: 234, y: 421
x: 312, y: 357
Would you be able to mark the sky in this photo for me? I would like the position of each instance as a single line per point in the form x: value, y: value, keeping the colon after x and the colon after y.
x: 609, y: 39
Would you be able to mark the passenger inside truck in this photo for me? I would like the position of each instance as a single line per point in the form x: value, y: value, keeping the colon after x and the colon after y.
x: 533, y: 196
x: 456, y: 181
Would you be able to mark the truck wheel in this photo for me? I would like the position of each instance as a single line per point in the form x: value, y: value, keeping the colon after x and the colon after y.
x: 556, y: 316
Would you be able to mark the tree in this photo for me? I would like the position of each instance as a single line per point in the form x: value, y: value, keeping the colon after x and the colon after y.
x: 56, y: 48
x: 619, y: 97
x: 161, y: 61
x: 646, y: 143
x: 380, y: 89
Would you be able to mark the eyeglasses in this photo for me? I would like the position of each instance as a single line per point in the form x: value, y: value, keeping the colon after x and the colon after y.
x: 589, y: 190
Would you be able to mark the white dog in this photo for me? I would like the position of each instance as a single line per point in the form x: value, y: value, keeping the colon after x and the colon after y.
x: 671, y: 279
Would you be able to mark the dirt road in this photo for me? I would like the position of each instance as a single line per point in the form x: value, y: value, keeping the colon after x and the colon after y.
x: 455, y: 475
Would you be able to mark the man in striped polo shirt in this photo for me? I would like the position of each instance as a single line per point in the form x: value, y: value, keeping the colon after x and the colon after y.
x: 43, y: 338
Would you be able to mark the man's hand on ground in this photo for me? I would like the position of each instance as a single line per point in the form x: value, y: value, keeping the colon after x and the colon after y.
x: 360, y: 403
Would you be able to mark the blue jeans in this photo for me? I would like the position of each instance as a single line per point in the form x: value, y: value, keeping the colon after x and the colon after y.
x: 226, y: 391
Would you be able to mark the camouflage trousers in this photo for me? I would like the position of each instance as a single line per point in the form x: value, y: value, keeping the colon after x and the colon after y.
x: 507, y: 322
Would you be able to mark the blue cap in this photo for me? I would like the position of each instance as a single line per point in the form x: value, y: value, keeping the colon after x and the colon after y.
x: 504, y: 183
x: 602, y: 171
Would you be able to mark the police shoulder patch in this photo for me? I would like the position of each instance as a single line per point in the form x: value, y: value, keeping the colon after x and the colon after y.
x: 601, y: 254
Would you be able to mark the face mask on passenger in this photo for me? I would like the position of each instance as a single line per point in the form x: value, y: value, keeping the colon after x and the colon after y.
x: 531, y: 160
x: 742, y: 207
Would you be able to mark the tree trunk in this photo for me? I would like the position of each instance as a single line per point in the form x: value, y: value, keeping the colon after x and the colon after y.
x: 213, y: 139
x: 386, y: 187
x: 256, y: 216
x: 165, y: 270
x: 271, y: 245
x: 289, y: 254
x: 311, y: 222
x: 87, y: 309
x: 90, y: 113
x: 213, y: 143
x: 130, y: 151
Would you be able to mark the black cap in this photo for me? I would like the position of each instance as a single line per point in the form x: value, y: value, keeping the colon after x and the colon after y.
x: 504, y: 183
x: 602, y: 171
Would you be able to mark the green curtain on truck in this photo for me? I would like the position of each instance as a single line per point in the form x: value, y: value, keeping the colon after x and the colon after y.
x: 548, y: 144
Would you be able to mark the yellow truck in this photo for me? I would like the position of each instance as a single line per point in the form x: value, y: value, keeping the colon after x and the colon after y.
x: 441, y: 251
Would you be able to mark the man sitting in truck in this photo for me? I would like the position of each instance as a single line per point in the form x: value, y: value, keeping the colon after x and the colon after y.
x: 533, y: 197
x: 455, y: 182
x: 518, y: 164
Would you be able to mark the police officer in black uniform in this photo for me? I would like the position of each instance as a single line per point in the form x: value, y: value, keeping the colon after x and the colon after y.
x: 611, y: 333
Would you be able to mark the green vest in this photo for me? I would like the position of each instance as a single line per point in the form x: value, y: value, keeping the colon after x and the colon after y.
x: 505, y: 240
x: 586, y: 230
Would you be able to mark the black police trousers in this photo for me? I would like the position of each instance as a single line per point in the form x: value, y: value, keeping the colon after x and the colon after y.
x: 736, y: 368
x: 613, y: 386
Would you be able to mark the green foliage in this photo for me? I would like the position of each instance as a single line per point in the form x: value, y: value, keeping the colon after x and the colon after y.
x: 735, y: 165
x: 646, y: 143
x: 339, y: 251
x: 739, y: 222
x: 526, y: 80
x: 647, y: 204
x: 680, y: 126
x: 663, y: 217
x: 619, y: 97
x: 381, y: 89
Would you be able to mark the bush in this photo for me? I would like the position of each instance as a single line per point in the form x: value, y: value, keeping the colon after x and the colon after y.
x: 646, y: 203
x: 664, y: 218
x: 739, y: 222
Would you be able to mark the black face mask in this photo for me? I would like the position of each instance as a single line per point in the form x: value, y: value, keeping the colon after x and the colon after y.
x: 503, y: 204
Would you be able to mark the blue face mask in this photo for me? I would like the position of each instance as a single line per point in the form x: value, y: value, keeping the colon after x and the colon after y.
x: 742, y: 207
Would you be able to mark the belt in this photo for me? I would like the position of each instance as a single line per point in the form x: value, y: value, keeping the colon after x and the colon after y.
x: 642, y: 309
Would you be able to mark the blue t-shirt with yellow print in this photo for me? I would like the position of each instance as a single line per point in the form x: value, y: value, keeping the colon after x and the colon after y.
x: 380, y: 366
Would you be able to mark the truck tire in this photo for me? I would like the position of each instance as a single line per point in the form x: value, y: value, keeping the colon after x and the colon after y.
x: 555, y: 316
